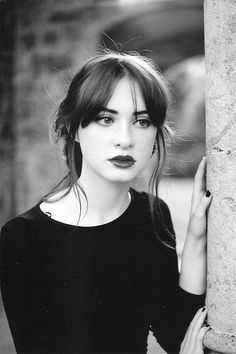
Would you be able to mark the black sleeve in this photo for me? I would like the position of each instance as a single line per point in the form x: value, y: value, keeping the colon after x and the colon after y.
x: 177, y: 308
x: 15, y: 265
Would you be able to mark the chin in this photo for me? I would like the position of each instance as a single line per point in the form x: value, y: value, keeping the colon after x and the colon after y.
x: 121, y: 177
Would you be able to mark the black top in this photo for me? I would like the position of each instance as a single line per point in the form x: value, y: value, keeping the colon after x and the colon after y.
x: 72, y: 289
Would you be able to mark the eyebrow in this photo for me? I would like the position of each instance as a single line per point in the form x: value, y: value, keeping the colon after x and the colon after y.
x: 105, y: 109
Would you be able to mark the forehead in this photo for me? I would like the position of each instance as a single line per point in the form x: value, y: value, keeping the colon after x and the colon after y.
x: 127, y: 94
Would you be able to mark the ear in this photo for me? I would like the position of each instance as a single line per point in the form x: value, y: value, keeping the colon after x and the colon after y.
x: 77, y: 136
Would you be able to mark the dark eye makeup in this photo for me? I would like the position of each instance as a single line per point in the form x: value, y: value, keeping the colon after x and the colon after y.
x: 141, y: 119
x: 143, y: 122
x: 105, y: 120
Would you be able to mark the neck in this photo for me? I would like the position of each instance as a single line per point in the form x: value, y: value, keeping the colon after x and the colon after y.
x: 105, y: 201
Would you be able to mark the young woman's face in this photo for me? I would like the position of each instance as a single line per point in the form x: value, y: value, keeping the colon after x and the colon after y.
x: 118, y: 144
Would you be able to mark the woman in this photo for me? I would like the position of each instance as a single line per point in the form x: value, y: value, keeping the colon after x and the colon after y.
x: 93, y: 267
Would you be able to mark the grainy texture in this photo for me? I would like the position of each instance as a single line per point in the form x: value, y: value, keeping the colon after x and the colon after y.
x: 7, y: 112
x: 220, y: 44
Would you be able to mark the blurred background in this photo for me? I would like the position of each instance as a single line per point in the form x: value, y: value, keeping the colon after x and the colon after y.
x: 44, y: 43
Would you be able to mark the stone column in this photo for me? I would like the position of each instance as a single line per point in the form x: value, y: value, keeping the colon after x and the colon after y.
x: 220, y: 46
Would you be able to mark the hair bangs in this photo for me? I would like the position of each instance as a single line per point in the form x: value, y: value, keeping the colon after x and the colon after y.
x: 152, y: 84
x: 97, y: 90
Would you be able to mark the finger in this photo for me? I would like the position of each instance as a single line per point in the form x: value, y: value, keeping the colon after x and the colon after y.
x: 199, y: 341
x: 199, y: 183
x: 199, y: 178
x: 203, y: 204
x: 198, y: 346
x: 193, y: 323
x: 191, y: 336
x: 198, y: 323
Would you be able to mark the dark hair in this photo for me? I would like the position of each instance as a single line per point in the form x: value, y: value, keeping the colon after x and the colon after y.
x: 89, y: 91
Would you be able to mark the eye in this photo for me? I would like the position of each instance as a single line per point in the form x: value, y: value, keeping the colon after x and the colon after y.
x: 143, y: 122
x: 104, y: 120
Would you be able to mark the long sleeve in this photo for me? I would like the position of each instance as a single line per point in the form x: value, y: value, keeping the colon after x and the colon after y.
x: 174, y: 314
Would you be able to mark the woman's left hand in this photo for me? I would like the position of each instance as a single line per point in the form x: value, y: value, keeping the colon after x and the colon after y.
x: 193, y: 266
x: 201, y: 199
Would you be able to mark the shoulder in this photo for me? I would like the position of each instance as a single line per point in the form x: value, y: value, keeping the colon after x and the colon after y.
x: 16, y: 250
x: 157, y: 213
x: 18, y: 227
x: 23, y: 218
x: 145, y: 200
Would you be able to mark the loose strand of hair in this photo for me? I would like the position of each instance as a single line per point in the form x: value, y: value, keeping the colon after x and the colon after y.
x: 154, y: 201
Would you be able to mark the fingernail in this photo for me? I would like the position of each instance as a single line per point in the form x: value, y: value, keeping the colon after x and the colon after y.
x: 204, y: 308
x: 208, y: 193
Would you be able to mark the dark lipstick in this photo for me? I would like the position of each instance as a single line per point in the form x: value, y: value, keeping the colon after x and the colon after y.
x: 122, y: 161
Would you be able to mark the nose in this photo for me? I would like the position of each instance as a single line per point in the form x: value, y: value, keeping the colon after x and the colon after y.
x: 124, y: 136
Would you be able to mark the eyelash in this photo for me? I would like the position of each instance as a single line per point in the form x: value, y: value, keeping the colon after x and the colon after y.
x: 144, y: 120
x: 110, y: 119
x: 99, y: 119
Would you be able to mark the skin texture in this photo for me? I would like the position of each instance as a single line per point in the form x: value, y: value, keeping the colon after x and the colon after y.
x: 120, y: 133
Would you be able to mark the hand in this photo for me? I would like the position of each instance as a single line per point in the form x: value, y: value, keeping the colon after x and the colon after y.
x: 200, y: 202
x: 193, y: 340
x: 193, y: 269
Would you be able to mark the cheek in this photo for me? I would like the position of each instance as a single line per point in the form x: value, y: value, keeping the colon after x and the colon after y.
x: 147, y: 143
x: 89, y: 150
x: 91, y: 146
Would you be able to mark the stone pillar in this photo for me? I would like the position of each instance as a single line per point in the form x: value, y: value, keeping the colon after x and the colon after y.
x: 220, y: 47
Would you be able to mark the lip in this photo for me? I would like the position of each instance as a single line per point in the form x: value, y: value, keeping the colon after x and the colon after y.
x: 122, y: 161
